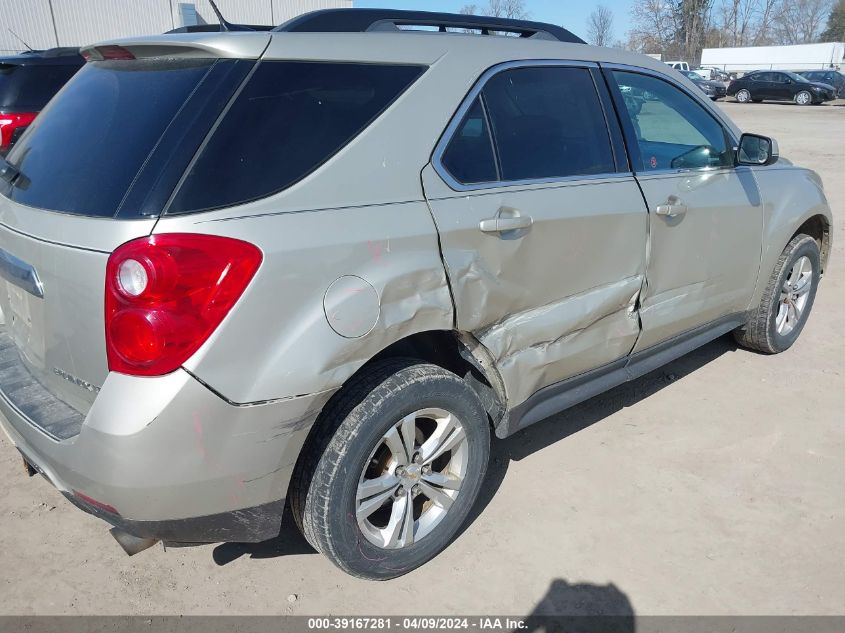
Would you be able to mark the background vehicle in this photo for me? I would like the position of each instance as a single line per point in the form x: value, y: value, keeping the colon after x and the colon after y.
x: 200, y: 327
x: 678, y: 65
x: 714, y: 74
x: 830, y: 77
x: 27, y: 82
x: 713, y: 89
x: 791, y: 57
x: 779, y: 86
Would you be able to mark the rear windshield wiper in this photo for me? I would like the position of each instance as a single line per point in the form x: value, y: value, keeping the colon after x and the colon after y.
x: 8, y: 172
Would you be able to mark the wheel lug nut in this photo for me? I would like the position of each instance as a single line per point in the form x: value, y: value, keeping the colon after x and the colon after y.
x: 426, y: 470
x: 416, y: 490
x: 400, y: 491
x: 400, y: 472
x: 417, y: 458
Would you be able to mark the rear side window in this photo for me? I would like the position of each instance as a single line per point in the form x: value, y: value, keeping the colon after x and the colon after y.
x: 290, y: 118
x: 548, y: 122
x: 469, y: 156
x: 83, y: 152
x: 29, y: 88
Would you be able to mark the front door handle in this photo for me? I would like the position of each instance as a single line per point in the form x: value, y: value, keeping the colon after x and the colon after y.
x: 673, y: 207
x: 506, y: 220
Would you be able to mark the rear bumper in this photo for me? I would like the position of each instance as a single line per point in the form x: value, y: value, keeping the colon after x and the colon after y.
x: 167, y: 458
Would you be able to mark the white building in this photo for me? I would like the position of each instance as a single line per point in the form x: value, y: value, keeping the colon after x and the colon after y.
x: 795, y: 57
x: 49, y: 23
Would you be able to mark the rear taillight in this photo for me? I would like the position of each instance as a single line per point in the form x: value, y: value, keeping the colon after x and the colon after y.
x: 11, y: 122
x: 166, y: 294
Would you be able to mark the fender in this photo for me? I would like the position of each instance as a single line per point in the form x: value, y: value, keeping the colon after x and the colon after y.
x: 791, y: 196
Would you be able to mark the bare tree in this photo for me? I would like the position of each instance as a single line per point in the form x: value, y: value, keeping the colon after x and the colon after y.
x: 654, y: 28
x: 514, y: 9
x: 738, y: 22
x: 800, y: 21
x: 470, y: 9
x: 766, y: 14
x: 600, y: 26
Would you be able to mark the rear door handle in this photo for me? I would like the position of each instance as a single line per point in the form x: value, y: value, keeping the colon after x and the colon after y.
x: 507, y: 220
x: 673, y: 207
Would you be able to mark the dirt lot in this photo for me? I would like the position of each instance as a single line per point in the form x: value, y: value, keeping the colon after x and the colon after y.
x: 712, y: 486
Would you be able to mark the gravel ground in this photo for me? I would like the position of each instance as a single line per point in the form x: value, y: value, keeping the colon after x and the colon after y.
x: 711, y: 486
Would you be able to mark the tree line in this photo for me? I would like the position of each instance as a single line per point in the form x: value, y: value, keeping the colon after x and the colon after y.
x: 680, y: 29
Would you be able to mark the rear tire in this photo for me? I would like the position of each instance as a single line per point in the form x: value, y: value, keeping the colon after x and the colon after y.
x: 378, y: 506
x: 784, y: 308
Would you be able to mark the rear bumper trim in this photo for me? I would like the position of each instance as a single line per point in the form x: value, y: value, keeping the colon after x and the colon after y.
x: 248, y: 525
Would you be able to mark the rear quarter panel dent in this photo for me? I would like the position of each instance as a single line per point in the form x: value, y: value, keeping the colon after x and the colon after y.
x: 277, y: 342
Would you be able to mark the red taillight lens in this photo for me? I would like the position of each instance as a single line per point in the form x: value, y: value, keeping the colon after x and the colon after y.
x: 11, y: 122
x: 109, y: 51
x: 166, y: 294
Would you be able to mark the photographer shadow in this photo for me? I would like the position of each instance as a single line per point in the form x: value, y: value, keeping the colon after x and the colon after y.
x: 581, y: 607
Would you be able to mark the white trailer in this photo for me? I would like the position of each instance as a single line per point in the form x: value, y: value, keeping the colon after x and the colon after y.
x: 829, y: 55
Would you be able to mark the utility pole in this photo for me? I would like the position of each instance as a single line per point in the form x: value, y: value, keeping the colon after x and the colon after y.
x: 53, y: 18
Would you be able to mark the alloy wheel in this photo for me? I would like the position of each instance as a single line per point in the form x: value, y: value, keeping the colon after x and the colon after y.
x: 412, y: 478
x: 793, y: 296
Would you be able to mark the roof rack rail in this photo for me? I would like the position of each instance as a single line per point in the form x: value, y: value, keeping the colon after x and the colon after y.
x: 367, y: 20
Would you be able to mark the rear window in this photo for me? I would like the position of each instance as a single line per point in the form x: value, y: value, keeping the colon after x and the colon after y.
x: 290, y: 118
x: 29, y: 88
x: 83, y: 152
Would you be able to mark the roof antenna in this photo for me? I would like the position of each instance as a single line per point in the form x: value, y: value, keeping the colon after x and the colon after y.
x: 224, y: 24
x: 19, y: 38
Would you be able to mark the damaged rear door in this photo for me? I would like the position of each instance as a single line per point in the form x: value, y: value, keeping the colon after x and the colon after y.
x: 542, y: 226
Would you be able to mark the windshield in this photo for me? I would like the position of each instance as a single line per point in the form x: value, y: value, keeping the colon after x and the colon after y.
x: 692, y: 75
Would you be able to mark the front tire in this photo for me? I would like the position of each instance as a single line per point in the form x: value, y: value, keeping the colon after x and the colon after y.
x: 393, y: 468
x: 787, y: 300
x: 743, y: 96
x: 803, y: 98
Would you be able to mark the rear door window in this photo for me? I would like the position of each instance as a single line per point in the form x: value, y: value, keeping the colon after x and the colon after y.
x: 290, y: 118
x: 548, y: 122
x: 83, y: 152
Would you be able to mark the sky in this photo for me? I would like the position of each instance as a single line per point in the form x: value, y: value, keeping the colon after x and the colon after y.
x: 568, y: 14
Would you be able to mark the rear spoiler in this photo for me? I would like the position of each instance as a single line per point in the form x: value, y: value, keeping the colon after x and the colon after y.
x: 228, y: 45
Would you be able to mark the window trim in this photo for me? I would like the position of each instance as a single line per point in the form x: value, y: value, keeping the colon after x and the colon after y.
x: 631, y: 142
x: 475, y: 91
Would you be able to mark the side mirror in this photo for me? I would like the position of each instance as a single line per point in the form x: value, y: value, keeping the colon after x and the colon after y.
x: 756, y: 150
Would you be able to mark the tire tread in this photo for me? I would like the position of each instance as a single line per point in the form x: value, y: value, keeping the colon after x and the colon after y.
x: 756, y: 333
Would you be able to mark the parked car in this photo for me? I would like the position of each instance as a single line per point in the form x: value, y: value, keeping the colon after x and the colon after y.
x: 830, y: 77
x: 27, y: 82
x: 774, y: 85
x: 326, y: 269
x: 713, y: 74
x: 678, y: 65
x: 714, y: 89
